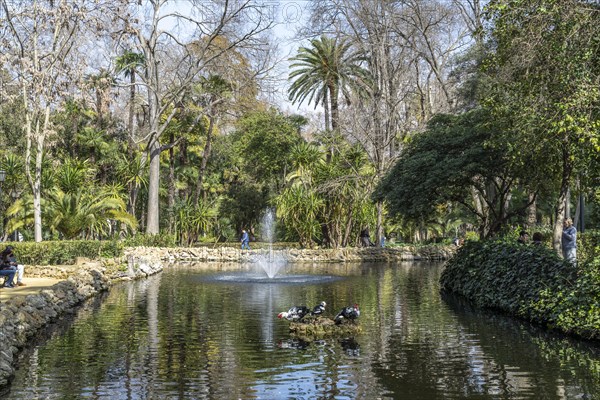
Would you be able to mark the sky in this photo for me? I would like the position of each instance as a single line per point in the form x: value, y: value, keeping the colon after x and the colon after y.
x: 289, y: 16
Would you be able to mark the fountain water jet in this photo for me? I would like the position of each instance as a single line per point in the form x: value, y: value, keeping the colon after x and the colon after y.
x: 270, y: 262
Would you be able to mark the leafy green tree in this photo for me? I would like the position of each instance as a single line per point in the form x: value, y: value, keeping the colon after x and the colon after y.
x: 264, y: 142
x: 73, y: 175
x: 193, y: 220
x: 346, y: 182
x: 243, y: 204
x: 299, y: 208
x: 299, y: 205
x: 546, y: 66
x: 441, y: 165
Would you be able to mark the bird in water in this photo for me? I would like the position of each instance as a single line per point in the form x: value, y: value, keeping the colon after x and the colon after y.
x: 349, y: 313
x: 319, y: 309
x: 295, y: 313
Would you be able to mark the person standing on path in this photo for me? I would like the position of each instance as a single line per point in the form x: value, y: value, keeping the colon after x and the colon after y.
x: 245, y: 240
x: 569, y: 241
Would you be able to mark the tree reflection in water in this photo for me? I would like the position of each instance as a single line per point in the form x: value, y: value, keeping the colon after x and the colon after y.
x: 184, y: 334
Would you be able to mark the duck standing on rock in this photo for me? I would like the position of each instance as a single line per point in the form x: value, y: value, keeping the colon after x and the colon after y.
x: 349, y: 313
x: 319, y: 309
x: 295, y: 313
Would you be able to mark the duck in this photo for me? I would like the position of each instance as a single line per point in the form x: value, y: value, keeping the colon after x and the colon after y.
x: 319, y: 309
x: 295, y: 313
x: 349, y: 313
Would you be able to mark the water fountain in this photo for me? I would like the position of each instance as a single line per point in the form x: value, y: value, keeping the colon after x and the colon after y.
x: 269, y: 266
x: 271, y: 263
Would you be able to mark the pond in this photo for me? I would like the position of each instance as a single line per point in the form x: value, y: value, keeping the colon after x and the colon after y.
x: 210, y: 331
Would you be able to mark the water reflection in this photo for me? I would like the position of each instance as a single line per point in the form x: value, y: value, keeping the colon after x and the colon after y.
x: 185, y: 335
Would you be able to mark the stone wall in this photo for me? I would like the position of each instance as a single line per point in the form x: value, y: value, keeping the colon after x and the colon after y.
x: 351, y: 254
x: 22, y: 316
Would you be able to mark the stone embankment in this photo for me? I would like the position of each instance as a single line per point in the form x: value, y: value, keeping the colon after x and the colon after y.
x: 21, y: 317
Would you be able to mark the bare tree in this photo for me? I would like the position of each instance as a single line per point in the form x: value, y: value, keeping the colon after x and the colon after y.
x: 408, y: 46
x: 177, y: 48
x: 39, y: 47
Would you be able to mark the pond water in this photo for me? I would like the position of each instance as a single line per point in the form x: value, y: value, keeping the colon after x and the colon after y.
x: 210, y: 331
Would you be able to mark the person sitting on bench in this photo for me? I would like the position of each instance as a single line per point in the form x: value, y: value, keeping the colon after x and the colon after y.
x: 9, y: 261
x: 9, y: 275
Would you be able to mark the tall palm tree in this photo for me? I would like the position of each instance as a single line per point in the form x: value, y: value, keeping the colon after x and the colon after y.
x: 128, y: 64
x: 102, y: 82
x: 324, y: 70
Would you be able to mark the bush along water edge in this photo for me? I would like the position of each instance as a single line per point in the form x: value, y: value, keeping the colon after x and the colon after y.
x: 529, y: 282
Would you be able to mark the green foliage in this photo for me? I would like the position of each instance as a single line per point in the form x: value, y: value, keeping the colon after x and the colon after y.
x: 324, y: 70
x: 142, y: 240
x: 65, y: 251
x: 575, y: 307
x: 588, y: 245
x: 299, y: 208
x: 545, y: 66
x: 455, y: 155
x: 529, y: 282
x: 265, y: 140
x: 193, y: 221
x: 74, y: 214
x: 243, y: 205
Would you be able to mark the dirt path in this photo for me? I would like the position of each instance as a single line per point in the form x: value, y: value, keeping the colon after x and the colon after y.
x: 34, y: 285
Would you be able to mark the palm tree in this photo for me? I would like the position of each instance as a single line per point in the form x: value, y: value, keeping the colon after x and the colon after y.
x: 128, y: 64
x: 74, y: 214
x: 324, y: 70
x: 102, y: 82
x: 73, y: 174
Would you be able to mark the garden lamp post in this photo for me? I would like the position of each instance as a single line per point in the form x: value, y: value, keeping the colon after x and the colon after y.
x: 2, y: 179
x: 14, y: 195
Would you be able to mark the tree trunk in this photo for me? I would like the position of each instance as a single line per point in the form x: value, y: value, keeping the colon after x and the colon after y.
x: 204, y: 162
x: 561, y: 203
x: 38, y: 134
x: 335, y: 113
x: 37, y: 191
x: 153, y: 223
x: 379, y: 228
x: 531, y: 211
x: 171, y: 205
x: 326, y: 111
x: 130, y: 122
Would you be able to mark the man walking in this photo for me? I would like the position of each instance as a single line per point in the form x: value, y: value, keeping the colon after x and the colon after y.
x: 245, y: 240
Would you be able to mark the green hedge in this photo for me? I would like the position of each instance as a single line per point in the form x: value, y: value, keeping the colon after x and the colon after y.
x: 529, y: 282
x: 64, y: 251
x: 162, y: 240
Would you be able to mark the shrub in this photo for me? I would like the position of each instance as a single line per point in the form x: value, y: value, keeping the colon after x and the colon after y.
x: 588, y: 245
x: 528, y: 281
x: 139, y: 240
x: 64, y: 251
